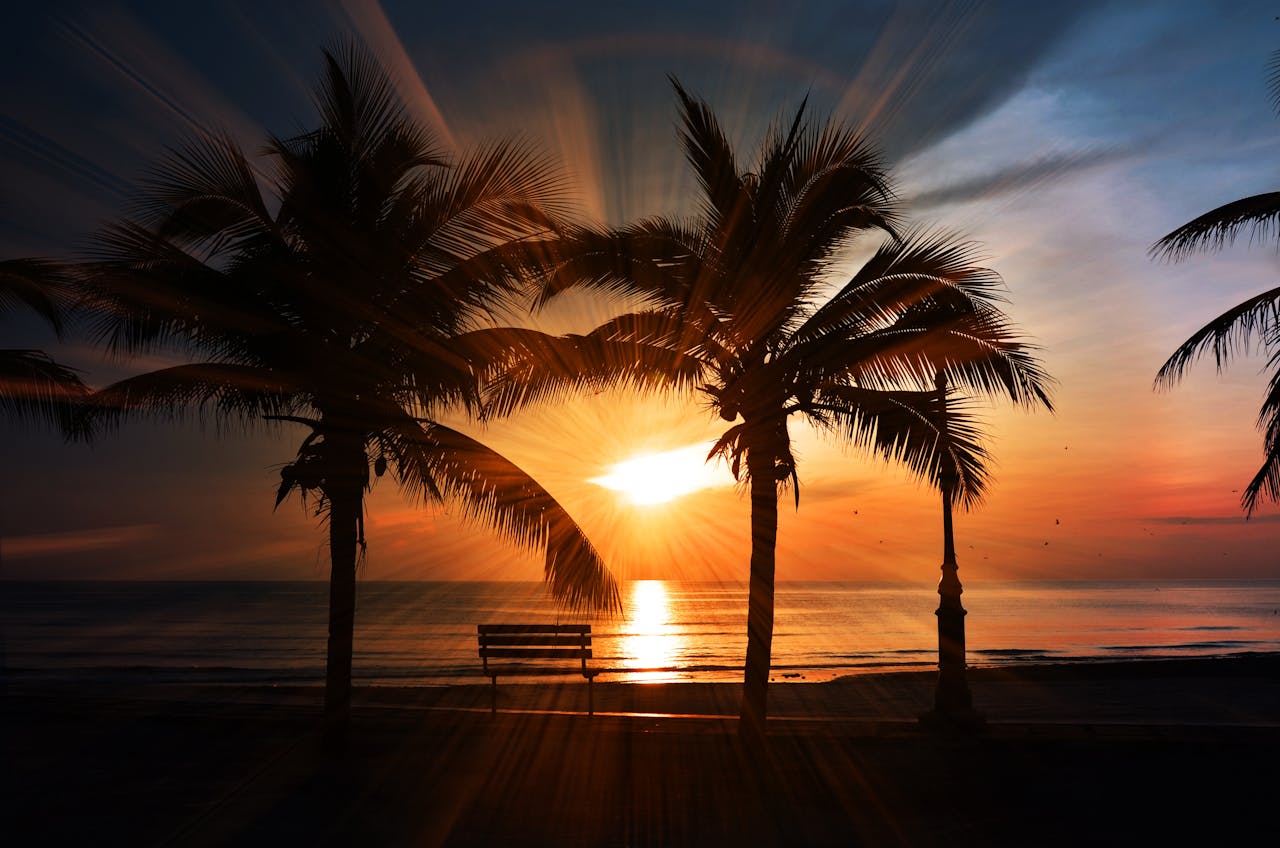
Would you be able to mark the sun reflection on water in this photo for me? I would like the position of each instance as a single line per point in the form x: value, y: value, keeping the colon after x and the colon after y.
x: 650, y: 643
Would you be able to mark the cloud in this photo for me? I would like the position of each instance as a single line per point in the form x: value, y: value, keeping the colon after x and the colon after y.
x: 936, y: 69
x: 76, y: 541
x: 1021, y: 176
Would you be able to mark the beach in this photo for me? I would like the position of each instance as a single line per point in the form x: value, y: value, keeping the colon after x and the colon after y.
x: 1150, y: 752
x: 661, y: 360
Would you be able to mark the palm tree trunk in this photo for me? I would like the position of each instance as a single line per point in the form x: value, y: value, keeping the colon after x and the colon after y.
x: 343, y: 516
x: 764, y: 536
x: 346, y: 501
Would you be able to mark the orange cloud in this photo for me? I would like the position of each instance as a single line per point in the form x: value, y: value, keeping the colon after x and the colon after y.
x: 77, y: 541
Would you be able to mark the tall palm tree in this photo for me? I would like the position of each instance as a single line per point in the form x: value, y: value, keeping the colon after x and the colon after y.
x: 343, y: 285
x: 33, y: 386
x: 1256, y: 319
x: 740, y: 308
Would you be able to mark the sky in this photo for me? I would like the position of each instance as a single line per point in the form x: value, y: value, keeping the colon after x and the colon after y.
x: 1065, y: 140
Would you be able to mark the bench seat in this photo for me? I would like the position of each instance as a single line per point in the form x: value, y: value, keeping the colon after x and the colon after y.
x: 514, y: 645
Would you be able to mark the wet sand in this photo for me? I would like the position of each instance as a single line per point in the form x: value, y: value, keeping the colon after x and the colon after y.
x: 1170, y: 753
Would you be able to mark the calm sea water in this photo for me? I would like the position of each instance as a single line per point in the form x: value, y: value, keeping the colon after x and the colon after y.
x: 424, y: 633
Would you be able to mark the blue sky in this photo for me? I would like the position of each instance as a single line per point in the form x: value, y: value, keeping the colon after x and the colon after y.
x: 1064, y: 137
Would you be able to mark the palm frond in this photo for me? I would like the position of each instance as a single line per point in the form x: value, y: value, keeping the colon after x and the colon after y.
x: 654, y: 258
x: 357, y: 99
x: 404, y: 152
x: 244, y: 395
x: 526, y: 367
x: 712, y: 159
x: 1218, y: 228
x: 924, y: 269
x: 754, y: 443
x: 317, y: 467
x: 204, y: 195
x: 1224, y: 336
x: 146, y: 292
x: 348, y: 189
x: 678, y: 330
x: 507, y: 190
x: 769, y: 185
x: 920, y: 430
x: 979, y: 351
x: 730, y: 447
x: 1235, y: 329
x: 836, y: 187
x: 1273, y: 80
x: 40, y: 285
x: 35, y: 388
x: 436, y: 461
x: 1266, y: 483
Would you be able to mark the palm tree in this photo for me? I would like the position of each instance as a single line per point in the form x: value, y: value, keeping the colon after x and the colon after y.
x: 1237, y: 328
x: 34, y: 387
x: 739, y: 308
x: 343, y: 285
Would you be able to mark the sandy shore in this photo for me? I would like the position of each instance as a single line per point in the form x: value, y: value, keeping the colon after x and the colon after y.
x: 1169, y: 753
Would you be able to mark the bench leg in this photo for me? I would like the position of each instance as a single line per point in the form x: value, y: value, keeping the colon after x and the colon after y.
x: 493, y: 696
x: 591, y: 696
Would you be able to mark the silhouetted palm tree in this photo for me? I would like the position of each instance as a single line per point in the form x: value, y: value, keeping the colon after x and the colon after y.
x: 1238, y: 327
x: 739, y: 307
x: 33, y: 387
x: 343, y: 287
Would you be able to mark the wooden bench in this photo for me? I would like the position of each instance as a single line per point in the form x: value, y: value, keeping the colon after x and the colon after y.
x: 520, y: 642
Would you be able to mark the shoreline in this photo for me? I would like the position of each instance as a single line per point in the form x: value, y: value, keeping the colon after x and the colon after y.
x: 1226, y: 690
x: 780, y: 675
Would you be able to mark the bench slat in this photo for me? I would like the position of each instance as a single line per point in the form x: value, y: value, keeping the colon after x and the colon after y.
x: 538, y: 641
x: 544, y: 671
x: 533, y: 628
x: 536, y: 653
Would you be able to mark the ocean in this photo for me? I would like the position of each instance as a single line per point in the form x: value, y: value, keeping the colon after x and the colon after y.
x: 413, y: 634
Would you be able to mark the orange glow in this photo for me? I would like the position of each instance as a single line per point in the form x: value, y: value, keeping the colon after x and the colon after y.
x: 77, y: 541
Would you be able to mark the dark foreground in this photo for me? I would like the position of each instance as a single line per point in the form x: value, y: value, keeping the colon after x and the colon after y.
x: 847, y: 767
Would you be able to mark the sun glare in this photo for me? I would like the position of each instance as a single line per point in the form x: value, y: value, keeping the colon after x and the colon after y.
x: 650, y: 643
x: 660, y: 477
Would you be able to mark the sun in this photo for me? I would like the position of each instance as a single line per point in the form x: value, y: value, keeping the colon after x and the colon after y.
x: 657, y: 478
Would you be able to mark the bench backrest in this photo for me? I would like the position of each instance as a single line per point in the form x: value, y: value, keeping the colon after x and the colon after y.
x: 534, y: 642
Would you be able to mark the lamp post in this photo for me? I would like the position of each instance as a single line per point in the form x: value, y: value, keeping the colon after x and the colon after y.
x: 952, y: 701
